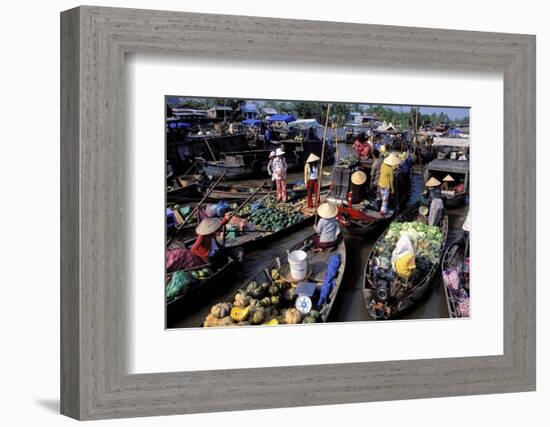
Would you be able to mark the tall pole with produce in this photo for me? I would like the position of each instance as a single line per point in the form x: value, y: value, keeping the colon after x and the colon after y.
x: 318, y: 196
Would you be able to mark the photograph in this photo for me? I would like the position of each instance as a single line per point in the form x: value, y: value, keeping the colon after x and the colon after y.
x: 286, y: 212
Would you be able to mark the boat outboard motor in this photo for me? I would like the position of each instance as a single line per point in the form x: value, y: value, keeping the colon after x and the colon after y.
x: 384, y: 277
x: 383, y: 285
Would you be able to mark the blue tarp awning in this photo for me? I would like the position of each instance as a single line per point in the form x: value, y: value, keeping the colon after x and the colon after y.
x: 175, y: 125
x: 455, y: 131
x: 250, y: 108
x: 254, y: 122
x: 281, y: 118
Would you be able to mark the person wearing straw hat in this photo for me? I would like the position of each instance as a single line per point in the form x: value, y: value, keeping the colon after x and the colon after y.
x: 386, y: 180
x: 447, y: 182
x: 311, y: 179
x: 436, y: 204
x: 358, y: 179
x: 279, y: 174
x: 327, y: 230
x: 206, y: 246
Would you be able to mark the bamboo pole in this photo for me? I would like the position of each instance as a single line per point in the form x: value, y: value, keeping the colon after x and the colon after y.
x: 198, y: 206
x: 318, y: 196
x: 336, y: 141
x: 208, y: 145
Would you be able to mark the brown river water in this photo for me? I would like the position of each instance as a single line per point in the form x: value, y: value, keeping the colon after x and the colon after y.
x: 349, y: 304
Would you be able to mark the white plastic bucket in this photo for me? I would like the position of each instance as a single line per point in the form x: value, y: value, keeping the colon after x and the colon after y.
x: 297, y: 260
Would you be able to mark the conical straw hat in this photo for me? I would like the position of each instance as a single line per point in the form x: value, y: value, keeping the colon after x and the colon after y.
x: 358, y: 178
x: 208, y: 226
x: 312, y: 158
x: 448, y: 178
x: 327, y: 210
x: 433, y: 182
x: 392, y: 160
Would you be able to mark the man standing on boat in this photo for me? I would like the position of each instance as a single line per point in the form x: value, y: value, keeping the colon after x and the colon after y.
x: 311, y: 179
x: 386, y: 180
x: 279, y: 168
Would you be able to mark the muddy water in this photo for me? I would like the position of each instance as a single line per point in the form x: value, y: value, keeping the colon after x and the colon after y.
x: 349, y: 305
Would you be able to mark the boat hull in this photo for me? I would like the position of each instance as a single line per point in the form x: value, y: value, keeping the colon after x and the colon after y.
x: 420, y: 288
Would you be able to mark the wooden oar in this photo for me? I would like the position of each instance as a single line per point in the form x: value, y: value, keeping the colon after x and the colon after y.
x: 197, y: 207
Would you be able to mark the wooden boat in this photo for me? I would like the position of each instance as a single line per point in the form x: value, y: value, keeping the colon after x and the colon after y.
x: 387, y: 295
x: 202, y: 288
x: 363, y: 218
x: 255, y: 238
x: 318, y: 263
x: 241, y: 192
x: 454, y: 256
x: 182, y: 187
x: 459, y: 170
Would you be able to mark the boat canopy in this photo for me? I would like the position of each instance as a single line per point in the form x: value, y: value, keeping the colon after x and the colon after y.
x: 446, y: 165
x: 251, y: 122
x: 281, y: 118
x: 304, y: 124
x: 459, y: 142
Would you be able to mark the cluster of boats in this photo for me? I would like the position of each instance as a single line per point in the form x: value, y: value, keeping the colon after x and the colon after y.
x: 277, y: 296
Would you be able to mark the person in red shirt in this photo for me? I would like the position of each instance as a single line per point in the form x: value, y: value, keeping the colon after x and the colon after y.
x: 359, y: 145
x: 206, y: 246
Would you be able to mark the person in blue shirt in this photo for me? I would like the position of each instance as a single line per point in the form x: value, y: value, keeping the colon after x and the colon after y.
x: 267, y: 135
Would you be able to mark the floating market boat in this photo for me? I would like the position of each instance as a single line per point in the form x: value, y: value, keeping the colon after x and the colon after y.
x: 269, y: 297
x: 270, y: 221
x: 459, y: 171
x: 184, y: 186
x: 241, y: 192
x: 455, y: 272
x: 189, y: 286
x: 362, y: 217
x: 386, y: 294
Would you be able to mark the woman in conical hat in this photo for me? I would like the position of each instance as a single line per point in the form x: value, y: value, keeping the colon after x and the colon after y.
x: 447, y: 182
x: 358, y: 187
x: 327, y: 230
x: 433, y: 182
x: 311, y: 179
x: 206, y: 245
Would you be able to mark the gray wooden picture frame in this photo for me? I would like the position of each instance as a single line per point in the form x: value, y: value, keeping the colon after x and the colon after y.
x: 94, y: 41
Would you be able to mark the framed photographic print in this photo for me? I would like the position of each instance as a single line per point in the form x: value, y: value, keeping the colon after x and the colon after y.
x: 285, y: 218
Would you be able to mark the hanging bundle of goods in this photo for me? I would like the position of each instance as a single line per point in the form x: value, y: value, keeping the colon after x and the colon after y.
x: 261, y: 303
